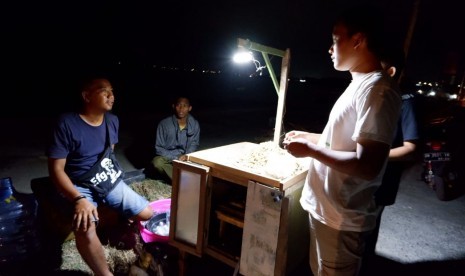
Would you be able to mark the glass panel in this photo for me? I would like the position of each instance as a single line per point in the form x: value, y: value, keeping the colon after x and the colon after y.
x: 187, y: 219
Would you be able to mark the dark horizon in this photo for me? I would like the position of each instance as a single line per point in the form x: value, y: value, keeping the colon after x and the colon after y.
x: 152, y: 89
x: 55, y: 35
x: 49, y: 46
x: 145, y: 89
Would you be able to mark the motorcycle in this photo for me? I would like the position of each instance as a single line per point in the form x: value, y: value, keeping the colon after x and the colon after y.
x: 444, y: 153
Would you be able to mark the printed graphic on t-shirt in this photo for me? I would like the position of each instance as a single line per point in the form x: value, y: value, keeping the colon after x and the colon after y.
x: 109, y: 172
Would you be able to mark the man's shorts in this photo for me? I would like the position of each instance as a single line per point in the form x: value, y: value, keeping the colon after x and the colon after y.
x: 122, y: 198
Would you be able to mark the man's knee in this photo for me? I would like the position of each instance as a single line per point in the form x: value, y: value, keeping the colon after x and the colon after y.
x: 87, y: 234
x: 145, y: 214
x: 159, y: 162
x: 163, y: 166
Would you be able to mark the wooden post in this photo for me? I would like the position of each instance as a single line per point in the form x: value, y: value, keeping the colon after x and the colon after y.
x: 408, y: 38
x: 182, y: 263
x: 282, y: 96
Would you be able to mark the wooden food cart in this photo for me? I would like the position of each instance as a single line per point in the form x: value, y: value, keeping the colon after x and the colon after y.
x: 244, y: 218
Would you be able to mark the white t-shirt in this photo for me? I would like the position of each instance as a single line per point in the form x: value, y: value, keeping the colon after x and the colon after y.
x: 368, y: 108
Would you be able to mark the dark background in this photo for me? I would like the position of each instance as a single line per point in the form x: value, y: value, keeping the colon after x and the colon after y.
x: 149, y: 48
x: 152, y: 50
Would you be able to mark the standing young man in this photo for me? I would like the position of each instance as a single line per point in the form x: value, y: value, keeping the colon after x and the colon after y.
x: 349, y: 157
x: 177, y: 135
x: 85, y: 172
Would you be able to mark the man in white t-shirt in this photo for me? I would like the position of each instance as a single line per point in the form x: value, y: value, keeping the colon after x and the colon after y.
x: 349, y: 157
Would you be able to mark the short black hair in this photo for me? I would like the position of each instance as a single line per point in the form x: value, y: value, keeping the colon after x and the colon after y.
x: 89, y: 77
x: 365, y: 19
x: 176, y: 99
x: 87, y: 83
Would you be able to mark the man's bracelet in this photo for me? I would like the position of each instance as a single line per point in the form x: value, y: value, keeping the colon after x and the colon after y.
x: 79, y: 197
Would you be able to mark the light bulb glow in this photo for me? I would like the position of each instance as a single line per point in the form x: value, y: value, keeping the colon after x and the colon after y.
x: 243, y: 57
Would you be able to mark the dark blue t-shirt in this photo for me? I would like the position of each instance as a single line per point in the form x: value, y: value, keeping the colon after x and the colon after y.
x: 407, y: 130
x: 80, y: 143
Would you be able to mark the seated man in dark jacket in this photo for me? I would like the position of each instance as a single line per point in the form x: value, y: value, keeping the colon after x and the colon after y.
x: 177, y: 135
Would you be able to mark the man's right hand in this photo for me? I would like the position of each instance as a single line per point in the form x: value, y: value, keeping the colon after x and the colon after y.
x: 85, y: 213
x: 182, y: 157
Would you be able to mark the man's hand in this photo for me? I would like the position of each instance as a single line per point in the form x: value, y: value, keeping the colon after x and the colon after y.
x: 298, y: 147
x: 294, y: 134
x: 85, y: 213
x: 182, y: 157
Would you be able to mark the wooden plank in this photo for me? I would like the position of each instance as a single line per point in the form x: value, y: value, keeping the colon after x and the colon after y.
x: 230, y: 219
x: 283, y: 237
x: 222, y: 256
x: 297, y: 231
x: 261, y: 228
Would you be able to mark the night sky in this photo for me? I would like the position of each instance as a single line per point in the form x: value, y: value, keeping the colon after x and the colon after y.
x: 56, y: 39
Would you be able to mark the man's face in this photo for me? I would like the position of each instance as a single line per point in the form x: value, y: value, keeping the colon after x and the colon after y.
x: 342, y: 49
x: 182, y: 108
x: 100, y: 95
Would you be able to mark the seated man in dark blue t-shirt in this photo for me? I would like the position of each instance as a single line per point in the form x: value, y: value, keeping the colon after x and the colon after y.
x: 79, y: 140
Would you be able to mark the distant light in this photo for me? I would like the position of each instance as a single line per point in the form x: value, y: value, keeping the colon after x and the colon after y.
x: 431, y: 94
x: 302, y: 80
x: 453, y: 96
x: 243, y: 57
x: 420, y: 92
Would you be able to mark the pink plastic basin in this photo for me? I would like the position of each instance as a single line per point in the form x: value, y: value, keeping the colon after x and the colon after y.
x: 159, y: 207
